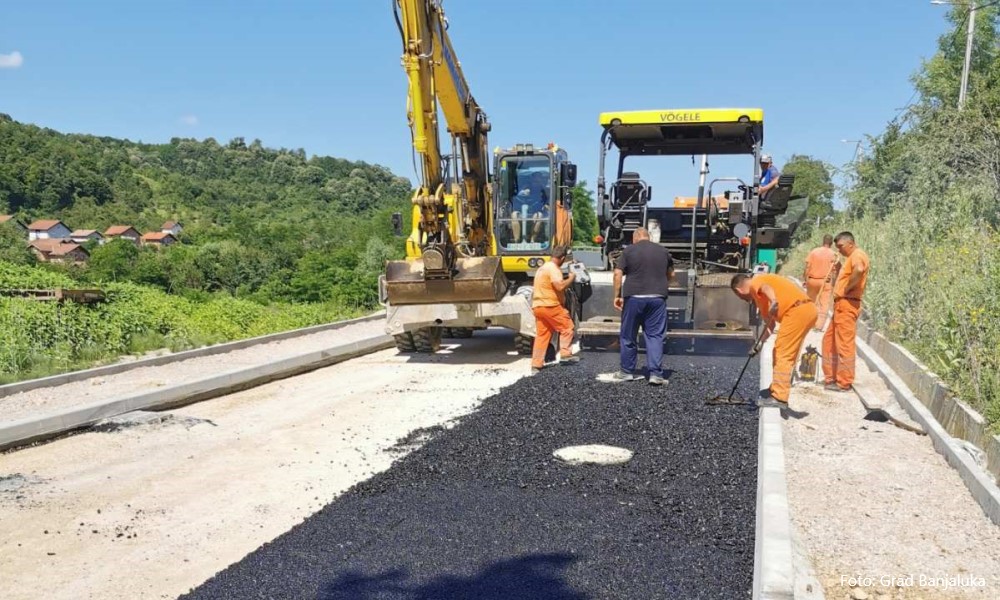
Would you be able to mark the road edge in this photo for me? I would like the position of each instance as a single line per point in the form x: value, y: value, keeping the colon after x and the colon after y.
x: 773, y: 570
x: 39, y: 428
x: 156, y: 361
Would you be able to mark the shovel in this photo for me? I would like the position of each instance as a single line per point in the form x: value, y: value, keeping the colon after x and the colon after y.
x: 720, y: 399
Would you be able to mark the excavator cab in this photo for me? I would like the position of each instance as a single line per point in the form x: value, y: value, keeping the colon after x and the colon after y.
x: 533, y: 206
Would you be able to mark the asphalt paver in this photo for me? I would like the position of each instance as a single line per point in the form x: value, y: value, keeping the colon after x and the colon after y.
x: 484, y: 511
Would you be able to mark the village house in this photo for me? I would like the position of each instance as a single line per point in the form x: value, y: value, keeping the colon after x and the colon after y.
x: 11, y: 221
x: 59, y: 251
x: 173, y: 228
x: 158, y: 239
x: 81, y: 236
x: 47, y: 230
x: 126, y: 232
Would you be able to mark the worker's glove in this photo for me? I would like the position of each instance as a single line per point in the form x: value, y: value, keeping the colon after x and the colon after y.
x: 756, y: 348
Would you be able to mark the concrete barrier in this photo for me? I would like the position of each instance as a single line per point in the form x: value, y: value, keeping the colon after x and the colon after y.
x: 63, y: 378
x: 956, y: 417
x: 976, y: 479
x: 25, y: 431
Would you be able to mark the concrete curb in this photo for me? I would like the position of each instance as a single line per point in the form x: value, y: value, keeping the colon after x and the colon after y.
x: 63, y: 378
x: 983, y: 489
x: 33, y: 429
x: 773, y: 569
x: 959, y: 419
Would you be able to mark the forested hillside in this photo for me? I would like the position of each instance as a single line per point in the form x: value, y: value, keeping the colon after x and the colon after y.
x: 269, y: 224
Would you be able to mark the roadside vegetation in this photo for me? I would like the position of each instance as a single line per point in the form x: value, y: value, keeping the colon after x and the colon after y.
x: 924, y: 202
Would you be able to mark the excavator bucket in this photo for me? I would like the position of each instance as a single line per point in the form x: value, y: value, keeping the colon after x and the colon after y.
x: 478, y: 279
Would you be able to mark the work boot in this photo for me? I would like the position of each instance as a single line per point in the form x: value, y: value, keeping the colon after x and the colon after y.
x: 766, y: 400
x: 535, y: 370
x: 657, y: 380
x: 833, y: 387
x: 569, y: 360
x: 621, y: 376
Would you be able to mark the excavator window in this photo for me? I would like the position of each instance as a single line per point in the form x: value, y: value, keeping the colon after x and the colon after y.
x: 524, y: 203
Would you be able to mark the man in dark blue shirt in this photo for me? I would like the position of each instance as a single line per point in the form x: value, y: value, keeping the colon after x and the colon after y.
x: 532, y: 206
x: 647, y: 268
x: 769, y: 176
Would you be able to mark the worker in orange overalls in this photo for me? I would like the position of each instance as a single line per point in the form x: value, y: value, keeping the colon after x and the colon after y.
x: 818, y: 277
x: 839, y: 343
x: 548, y: 303
x: 779, y: 300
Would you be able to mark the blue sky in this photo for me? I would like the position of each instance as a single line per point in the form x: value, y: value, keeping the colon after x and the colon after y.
x: 325, y: 75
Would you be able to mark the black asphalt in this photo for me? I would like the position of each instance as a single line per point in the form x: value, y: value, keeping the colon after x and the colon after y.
x: 483, y: 511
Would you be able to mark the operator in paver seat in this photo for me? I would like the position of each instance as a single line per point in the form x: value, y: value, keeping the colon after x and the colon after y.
x: 820, y: 269
x: 647, y: 268
x: 548, y: 303
x: 779, y: 300
x: 769, y: 176
x: 535, y: 196
x: 839, y: 342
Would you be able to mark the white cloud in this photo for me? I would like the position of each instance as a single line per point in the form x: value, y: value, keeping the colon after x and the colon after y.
x: 190, y: 120
x: 11, y: 61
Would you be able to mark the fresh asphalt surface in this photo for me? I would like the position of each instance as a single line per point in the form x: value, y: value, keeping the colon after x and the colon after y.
x: 483, y: 511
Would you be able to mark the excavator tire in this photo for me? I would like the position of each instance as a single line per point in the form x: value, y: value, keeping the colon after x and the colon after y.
x: 461, y: 333
x: 404, y: 342
x: 524, y: 343
x: 427, y: 339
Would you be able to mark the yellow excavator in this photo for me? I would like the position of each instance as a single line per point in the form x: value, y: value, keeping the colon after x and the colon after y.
x: 476, y: 239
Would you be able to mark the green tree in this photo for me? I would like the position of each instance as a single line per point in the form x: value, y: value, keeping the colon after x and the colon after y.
x: 13, y: 247
x: 584, y: 215
x: 813, y: 180
x: 229, y: 265
x: 114, y: 261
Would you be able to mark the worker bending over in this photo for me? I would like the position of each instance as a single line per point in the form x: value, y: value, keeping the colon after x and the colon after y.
x: 779, y: 300
x: 548, y: 303
x: 647, y: 268
x: 818, y: 277
x: 839, y: 342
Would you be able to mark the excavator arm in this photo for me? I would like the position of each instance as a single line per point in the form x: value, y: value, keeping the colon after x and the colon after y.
x: 452, y: 213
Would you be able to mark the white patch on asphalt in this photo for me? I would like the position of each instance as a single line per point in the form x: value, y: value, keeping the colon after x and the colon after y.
x: 593, y: 454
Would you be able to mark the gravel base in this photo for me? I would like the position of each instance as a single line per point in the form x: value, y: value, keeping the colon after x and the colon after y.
x: 78, y: 393
x: 485, y: 511
x: 871, y: 500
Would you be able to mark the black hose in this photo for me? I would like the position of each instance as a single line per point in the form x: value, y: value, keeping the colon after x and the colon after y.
x: 399, y: 24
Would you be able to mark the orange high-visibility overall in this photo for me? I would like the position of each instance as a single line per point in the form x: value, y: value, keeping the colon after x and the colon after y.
x: 550, y: 314
x: 819, y: 280
x: 839, y: 342
x: 797, y: 315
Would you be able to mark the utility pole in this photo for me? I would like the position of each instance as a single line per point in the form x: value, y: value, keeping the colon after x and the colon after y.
x: 963, y: 92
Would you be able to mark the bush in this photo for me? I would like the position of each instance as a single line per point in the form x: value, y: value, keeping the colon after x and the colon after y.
x: 42, y: 338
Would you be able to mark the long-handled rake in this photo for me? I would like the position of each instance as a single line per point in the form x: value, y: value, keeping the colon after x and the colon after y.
x: 719, y: 399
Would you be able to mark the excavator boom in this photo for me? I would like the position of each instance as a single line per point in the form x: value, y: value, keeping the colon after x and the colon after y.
x: 449, y: 250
